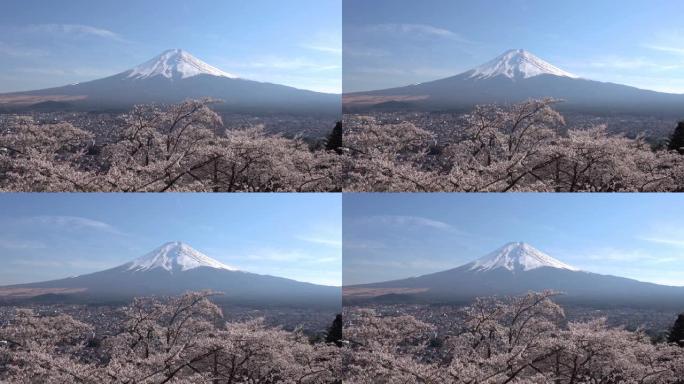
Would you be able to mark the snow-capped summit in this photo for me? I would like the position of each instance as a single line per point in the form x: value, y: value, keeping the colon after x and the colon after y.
x: 518, y: 257
x: 175, y: 256
x: 517, y: 64
x: 173, y: 64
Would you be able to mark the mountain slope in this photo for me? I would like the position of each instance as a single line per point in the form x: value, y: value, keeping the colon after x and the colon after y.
x: 517, y: 268
x: 174, y: 76
x: 175, y: 268
x: 515, y: 76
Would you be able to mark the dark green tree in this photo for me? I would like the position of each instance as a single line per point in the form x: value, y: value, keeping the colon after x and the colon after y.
x: 335, y: 331
x: 677, y: 331
x: 334, y: 141
x: 677, y: 139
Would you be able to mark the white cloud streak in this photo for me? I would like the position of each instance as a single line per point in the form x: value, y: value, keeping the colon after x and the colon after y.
x: 664, y: 240
x: 325, y: 49
x: 333, y: 242
x: 73, y: 222
x: 417, y: 30
x: 668, y: 49
x: 407, y: 221
x: 286, y: 255
x: 18, y: 51
x: 664, y: 233
x: 284, y: 63
x: 76, y: 30
x: 16, y: 244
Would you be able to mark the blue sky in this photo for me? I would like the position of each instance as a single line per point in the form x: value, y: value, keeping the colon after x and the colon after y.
x: 49, y: 236
x: 399, y: 42
x: 390, y: 236
x: 53, y: 43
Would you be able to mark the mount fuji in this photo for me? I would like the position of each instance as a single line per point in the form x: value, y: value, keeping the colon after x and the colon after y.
x: 171, y: 77
x: 515, y: 76
x: 515, y: 269
x: 175, y: 268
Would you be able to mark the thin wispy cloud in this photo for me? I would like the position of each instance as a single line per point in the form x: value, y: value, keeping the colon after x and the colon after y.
x: 668, y: 49
x: 296, y: 63
x: 411, y: 264
x: 302, y: 273
x: 324, y: 234
x: 294, y: 263
x: 288, y: 255
x: 406, y: 221
x: 326, y: 49
x: 664, y: 240
x: 663, y: 233
x: 416, y: 30
x: 309, y: 81
x: 18, y: 244
x: 353, y: 50
x: 72, y: 222
x: 378, y: 55
x: 629, y: 63
x: 330, y: 241
x: 430, y: 72
x: 610, y: 259
x: 74, y: 264
x: 328, y: 41
x: 667, y: 41
x: 615, y: 254
x: 20, y: 51
x: 74, y: 30
x: 363, y: 244
x: 320, y: 75
x: 79, y: 71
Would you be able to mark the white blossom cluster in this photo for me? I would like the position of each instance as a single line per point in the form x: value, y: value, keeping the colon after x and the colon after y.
x: 521, y: 340
x: 522, y: 147
x: 184, y: 340
x: 181, y: 148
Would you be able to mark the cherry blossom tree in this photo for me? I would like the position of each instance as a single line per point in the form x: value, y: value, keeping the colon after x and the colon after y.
x: 44, y: 349
x: 522, y: 339
x: 179, y: 148
x: 45, y: 157
x: 387, y: 350
x: 181, y: 340
x: 522, y: 147
x: 388, y: 157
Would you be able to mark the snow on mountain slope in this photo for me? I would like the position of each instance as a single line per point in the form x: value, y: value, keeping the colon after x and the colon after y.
x: 175, y: 256
x: 518, y: 257
x: 175, y: 63
x: 516, y: 64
